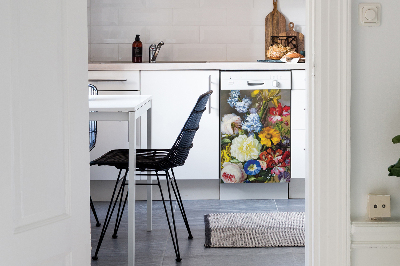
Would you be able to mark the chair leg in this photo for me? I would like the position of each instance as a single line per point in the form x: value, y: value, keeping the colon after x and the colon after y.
x: 109, y: 213
x: 180, y: 203
x: 120, y: 211
x: 174, y: 239
x: 94, y: 213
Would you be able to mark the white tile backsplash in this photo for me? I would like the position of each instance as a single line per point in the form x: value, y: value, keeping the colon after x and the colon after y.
x: 116, y: 34
x: 250, y: 52
x: 192, y: 30
x: 103, y: 52
x: 125, y: 52
x: 104, y: 16
x: 145, y: 17
x: 199, y: 52
x: 173, y: 34
x: 224, y: 34
x: 172, y: 3
x: 199, y: 16
x: 214, y: 4
x: 119, y: 3
x: 246, y: 17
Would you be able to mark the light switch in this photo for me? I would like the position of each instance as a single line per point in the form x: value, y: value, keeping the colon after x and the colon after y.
x: 369, y: 14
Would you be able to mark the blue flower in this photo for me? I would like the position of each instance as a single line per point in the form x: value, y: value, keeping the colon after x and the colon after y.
x: 252, y: 167
x: 283, y: 177
x: 243, y: 106
x: 232, y: 102
x: 234, y: 98
x: 234, y: 93
x: 252, y: 123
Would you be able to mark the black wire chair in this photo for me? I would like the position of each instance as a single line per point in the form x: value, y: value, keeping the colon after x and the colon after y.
x: 150, y: 161
x: 92, y: 143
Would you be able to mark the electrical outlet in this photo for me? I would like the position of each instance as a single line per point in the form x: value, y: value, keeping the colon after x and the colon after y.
x: 378, y: 206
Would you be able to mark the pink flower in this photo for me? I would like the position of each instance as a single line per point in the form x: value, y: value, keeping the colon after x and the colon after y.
x: 233, y: 173
x: 263, y: 164
x: 277, y: 113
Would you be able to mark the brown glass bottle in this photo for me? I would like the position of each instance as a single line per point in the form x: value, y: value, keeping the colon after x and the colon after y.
x: 137, y: 50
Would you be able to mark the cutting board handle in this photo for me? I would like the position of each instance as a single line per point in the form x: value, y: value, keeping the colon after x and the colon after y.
x: 275, y: 4
x: 291, y: 26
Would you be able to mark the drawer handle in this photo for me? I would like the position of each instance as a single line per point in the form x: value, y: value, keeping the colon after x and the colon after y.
x: 254, y: 83
x: 209, y: 89
x: 100, y: 80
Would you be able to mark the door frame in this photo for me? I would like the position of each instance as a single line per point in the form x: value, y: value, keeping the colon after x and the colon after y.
x: 328, y: 52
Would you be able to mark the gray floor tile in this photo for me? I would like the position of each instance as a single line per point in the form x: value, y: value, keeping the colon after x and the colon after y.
x: 155, y: 248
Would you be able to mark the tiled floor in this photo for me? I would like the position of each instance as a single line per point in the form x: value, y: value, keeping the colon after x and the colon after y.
x: 155, y: 248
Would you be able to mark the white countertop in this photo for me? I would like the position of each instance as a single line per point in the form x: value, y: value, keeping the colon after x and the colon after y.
x: 196, y: 66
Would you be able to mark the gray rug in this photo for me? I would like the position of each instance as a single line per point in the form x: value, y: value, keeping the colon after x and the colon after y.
x: 271, y: 229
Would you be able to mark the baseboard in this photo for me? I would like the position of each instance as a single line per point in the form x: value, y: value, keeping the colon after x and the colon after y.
x: 297, y: 188
x: 375, y: 242
x: 197, y: 189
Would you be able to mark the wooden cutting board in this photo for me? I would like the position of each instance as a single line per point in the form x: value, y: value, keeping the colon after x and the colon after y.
x: 275, y: 23
x: 292, y: 32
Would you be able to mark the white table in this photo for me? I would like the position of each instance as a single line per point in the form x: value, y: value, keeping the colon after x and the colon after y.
x: 127, y: 108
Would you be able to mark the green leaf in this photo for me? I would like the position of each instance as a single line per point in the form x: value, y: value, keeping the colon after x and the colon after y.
x: 235, y: 161
x: 394, y: 170
x: 396, y: 139
x: 251, y: 178
x: 225, y: 141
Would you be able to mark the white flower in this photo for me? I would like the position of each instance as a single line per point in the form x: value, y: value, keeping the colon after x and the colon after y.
x: 233, y: 173
x: 230, y: 124
x: 245, y: 148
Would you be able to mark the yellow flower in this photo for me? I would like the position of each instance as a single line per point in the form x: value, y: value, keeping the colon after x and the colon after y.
x: 269, y: 136
x: 226, y: 154
x: 245, y: 148
x: 254, y: 93
x: 272, y: 95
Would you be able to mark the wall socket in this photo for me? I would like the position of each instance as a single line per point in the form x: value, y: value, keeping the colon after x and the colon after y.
x: 378, y: 206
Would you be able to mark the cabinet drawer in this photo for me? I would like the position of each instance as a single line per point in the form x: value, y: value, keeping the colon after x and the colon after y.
x: 298, y: 109
x: 298, y: 153
x: 298, y: 79
x: 115, y: 80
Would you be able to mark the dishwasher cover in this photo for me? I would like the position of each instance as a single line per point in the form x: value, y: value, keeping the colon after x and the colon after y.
x: 255, y: 136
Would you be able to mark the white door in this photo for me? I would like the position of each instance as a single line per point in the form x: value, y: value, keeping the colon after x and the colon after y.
x: 44, y: 191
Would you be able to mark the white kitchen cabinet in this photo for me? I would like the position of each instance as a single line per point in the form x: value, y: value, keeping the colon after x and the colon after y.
x: 174, y: 96
x: 298, y: 79
x: 298, y: 153
x: 298, y: 124
x: 112, y: 134
x: 298, y: 109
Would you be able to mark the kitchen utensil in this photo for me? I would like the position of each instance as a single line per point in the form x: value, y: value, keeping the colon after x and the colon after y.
x: 275, y: 23
x: 292, y: 32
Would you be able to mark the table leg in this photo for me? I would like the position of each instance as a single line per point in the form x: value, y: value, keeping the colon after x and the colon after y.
x: 149, y: 178
x: 132, y: 190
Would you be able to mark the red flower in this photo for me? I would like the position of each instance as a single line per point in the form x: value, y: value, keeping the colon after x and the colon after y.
x: 277, y: 113
x: 276, y: 159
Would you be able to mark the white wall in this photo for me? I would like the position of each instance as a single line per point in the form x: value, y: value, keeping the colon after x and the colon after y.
x: 375, y: 120
x: 375, y: 108
x: 193, y: 30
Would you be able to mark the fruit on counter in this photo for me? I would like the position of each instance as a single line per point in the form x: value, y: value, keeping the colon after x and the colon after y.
x: 277, y: 51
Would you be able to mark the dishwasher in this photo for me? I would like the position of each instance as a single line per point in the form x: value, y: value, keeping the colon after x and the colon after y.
x: 255, y: 138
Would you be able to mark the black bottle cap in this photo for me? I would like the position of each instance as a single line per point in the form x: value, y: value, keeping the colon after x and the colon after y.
x: 137, y: 39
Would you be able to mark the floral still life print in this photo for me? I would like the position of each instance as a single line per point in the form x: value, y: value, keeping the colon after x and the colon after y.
x: 255, y: 136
